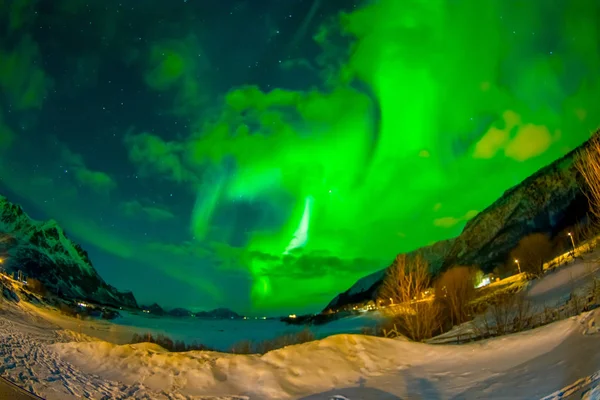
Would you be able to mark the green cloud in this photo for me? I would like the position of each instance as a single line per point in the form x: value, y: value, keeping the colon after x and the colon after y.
x: 20, y: 14
x: 98, y: 181
x: 7, y: 135
x: 152, y: 155
x: 134, y: 208
x: 22, y: 80
x: 181, y: 66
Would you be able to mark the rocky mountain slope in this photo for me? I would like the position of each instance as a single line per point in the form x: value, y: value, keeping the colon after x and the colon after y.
x: 549, y: 201
x: 42, y: 251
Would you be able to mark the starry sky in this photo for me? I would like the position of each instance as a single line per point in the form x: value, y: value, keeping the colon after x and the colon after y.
x: 263, y: 155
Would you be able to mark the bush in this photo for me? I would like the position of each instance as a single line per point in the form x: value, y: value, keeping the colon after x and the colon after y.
x: 37, y: 287
x: 456, y: 289
x: 67, y: 309
x: 242, y: 347
x: 532, y: 252
x: 508, y: 313
x: 304, y: 336
x: 167, y: 343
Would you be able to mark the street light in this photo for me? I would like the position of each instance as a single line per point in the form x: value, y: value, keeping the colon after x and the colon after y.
x: 518, y: 265
x: 572, y: 242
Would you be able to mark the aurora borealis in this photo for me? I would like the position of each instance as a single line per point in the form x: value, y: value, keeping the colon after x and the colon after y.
x: 264, y: 155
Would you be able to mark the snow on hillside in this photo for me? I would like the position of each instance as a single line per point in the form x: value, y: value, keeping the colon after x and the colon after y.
x: 41, y: 250
x: 44, y: 236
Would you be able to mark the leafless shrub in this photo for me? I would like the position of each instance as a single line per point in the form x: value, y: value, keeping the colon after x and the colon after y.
x: 508, y: 313
x: 595, y: 292
x: 456, y: 290
x: 575, y: 305
x: 304, y: 336
x: 167, y: 343
x: 35, y: 286
x: 404, y: 287
x: 550, y: 315
x: 242, y: 347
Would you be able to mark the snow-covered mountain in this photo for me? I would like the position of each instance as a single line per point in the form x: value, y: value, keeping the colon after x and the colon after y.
x: 42, y: 251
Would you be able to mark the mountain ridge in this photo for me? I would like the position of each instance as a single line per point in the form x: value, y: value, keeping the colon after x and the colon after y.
x: 42, y: 250
x: 547, y: 201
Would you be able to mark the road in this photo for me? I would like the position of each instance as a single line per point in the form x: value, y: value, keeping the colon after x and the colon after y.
x: 9, y: 390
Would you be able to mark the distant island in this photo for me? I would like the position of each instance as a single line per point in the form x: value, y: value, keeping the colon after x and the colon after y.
x: 217, y: 313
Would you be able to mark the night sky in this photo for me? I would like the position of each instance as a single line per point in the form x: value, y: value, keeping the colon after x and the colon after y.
x: 262, y: 155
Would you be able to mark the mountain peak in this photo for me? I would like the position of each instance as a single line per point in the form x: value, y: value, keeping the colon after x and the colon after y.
x: 42, y: 250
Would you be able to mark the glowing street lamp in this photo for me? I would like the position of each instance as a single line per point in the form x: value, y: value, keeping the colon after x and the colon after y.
x: 518, y: 265
x: 572, y: 242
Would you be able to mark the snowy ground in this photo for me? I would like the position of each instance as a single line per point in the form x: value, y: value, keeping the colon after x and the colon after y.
x: 59, y: 364
x: 556, y: 287
x: 45, y: 353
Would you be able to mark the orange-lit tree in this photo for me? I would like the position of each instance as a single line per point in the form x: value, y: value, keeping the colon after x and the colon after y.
x: 588, y: 164
x: 456, y: 289
x: 403, y: 288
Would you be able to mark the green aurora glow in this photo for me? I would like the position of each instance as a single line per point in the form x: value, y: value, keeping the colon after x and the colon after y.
x: 433, y: 111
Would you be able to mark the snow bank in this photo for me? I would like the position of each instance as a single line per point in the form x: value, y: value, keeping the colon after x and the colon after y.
x: 335, y: 362
x: 59, y: 364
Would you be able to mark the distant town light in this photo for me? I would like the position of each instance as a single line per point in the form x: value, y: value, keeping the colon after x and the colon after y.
x: 292, y: 316
x: 1, y: 260
x: 484, y: 282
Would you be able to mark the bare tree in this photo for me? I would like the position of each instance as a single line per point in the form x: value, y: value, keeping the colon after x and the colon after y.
x: 587, y: 163
x: 532, y: 252
x: 404, y: 287
x: 456, y: 289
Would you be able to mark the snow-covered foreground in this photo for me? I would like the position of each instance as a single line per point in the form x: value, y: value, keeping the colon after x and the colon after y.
x: 56, y: 357
x: 60, y: 364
